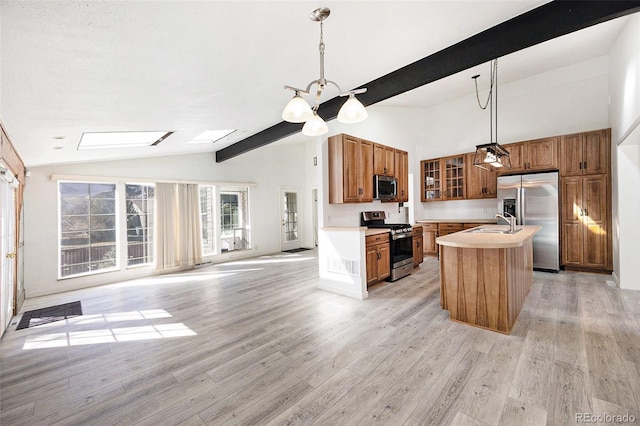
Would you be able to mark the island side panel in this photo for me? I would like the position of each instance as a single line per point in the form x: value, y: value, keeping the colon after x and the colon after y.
x: 520, y: 261
x: 474, y: 286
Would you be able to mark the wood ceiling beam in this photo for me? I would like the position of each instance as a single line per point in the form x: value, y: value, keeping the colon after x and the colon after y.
x: 541, y: 24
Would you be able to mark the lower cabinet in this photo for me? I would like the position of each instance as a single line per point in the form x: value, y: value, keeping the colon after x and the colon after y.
x: 418, y: 255
x: 378, y: 258
x: 429, y: 234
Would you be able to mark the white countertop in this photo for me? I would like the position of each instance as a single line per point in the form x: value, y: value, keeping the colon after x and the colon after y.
x: 466, y: 239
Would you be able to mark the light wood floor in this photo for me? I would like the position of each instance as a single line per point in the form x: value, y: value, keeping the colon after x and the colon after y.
x: 255, y: 342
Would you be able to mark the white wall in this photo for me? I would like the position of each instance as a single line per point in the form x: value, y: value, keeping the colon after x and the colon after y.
x: 270, y: 168
x: 624, y: 77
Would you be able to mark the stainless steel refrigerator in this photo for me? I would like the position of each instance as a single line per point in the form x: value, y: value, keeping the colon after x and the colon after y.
x: 533, y: 200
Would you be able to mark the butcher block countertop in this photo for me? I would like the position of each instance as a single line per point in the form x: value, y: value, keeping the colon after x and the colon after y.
x: 482, y: 240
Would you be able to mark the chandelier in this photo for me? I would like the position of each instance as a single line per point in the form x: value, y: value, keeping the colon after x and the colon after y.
x: 299, y: 111
x: 492, y: 155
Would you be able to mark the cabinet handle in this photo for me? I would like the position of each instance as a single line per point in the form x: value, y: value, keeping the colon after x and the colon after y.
x: 580, y: 165
x: 586, y: 213
x: 585, y: 165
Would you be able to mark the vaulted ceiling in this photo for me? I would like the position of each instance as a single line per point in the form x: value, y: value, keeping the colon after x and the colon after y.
x: 69, y: 67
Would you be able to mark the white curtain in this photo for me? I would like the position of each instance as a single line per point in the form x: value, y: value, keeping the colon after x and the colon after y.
x: 178, y: 237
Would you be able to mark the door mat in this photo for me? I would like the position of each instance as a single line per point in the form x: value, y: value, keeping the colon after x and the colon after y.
x: 49, y: 315
x: 296, y: 250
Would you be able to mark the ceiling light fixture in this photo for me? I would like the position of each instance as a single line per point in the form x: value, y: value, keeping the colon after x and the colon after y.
x: 492, y: 155
x: 299, y: 111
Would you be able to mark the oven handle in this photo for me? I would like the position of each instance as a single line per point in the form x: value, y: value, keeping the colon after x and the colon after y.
x: 398, y: 236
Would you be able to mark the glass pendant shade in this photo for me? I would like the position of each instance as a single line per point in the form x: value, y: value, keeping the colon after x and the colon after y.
x: 297, y: 110
x: 352, y: 111
x: 315, y: 126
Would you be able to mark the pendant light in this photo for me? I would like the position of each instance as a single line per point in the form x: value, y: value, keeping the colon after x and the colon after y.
x: 492, y: 155
x: 299, y: 111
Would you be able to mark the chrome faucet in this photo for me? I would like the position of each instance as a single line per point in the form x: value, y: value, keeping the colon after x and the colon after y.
x: 511, y: 219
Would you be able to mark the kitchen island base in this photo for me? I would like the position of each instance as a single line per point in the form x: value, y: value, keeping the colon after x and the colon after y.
x: 486, y: 287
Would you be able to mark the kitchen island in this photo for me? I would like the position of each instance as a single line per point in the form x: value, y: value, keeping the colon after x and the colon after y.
x: 486, y: 274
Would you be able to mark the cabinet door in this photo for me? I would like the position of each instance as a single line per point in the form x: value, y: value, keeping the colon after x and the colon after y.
x: 352, y: 169
x: 365, y: 171
x: 372, y: 264
x: 572, y: 227
x: 454, y: 177
x: 596, y: 152
x: 429, y: 245
x: 594, y: 218
x: 541, y: 154
x: 431, y: 180
x: 418, y: 255
x: 571, y: 155
x: 384, y: 261
x: 516, y: 156
x: 474, y: 178
x: 383, y: 160
x: 402, y: 175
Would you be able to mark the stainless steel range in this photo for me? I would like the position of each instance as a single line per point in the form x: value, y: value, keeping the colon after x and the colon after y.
x: 401, y: 244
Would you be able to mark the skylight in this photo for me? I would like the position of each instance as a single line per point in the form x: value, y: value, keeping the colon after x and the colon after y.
x: 101, y: 140
x: 211, y: 136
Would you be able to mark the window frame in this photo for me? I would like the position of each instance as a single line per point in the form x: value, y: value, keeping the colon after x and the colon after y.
x: 151, y: 228
x: 117, y: 240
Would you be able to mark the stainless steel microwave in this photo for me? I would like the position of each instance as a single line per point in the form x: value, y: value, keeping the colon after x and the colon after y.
x: 385, y: 187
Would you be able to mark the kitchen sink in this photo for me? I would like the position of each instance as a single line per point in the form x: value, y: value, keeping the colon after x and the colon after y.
x: 481, y: 230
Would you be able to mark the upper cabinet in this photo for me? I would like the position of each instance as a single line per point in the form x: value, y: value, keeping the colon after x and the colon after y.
x: 402, y: 175
x: 350, y: 169
x: 431, y: 180
x: 540, y: 154
x: 480, y: 183
x: 443, y: 178
x: 383, y: 160
x: 354, y: 161
x: 585, y: 153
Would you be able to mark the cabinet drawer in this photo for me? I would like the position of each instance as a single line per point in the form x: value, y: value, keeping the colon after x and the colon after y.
x: 375, y: 239
x: 450, y: 226
x: 429, y: 226
x: 417, y: 231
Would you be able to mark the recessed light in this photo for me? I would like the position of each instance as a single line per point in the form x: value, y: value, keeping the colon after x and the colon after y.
x: 58, y: 147
x: 211, y: 136
x: 58, y: 138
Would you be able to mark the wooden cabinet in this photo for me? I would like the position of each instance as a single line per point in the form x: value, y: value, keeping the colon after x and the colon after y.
x: 350, y: 169
x: 429, y: 234
x: 402, y: 175
x: 442, y: 178
x: 378, y: 257
x: 539, y: 154
x: 418, y: 255
x: 445, y: 228
x: 430, y: 180
x: 384, y: 160
x: 586, y: 222
x: 480, y: 183
x: 585, y: 153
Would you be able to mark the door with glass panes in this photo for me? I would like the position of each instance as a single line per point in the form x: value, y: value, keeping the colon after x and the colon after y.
x: 290, y: 229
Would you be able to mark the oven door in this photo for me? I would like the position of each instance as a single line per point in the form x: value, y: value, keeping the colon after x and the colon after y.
x: 401, y: 250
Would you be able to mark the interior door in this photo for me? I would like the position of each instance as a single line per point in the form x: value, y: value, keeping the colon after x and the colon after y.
x: 8, y: 252
x: 290, y: 230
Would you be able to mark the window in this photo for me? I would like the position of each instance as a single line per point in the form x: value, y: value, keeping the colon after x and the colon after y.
x: 228, y: 207
x: 87, y: 227
x: 140, y: 214
x: 234, y: 208
x: 207, y: 219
